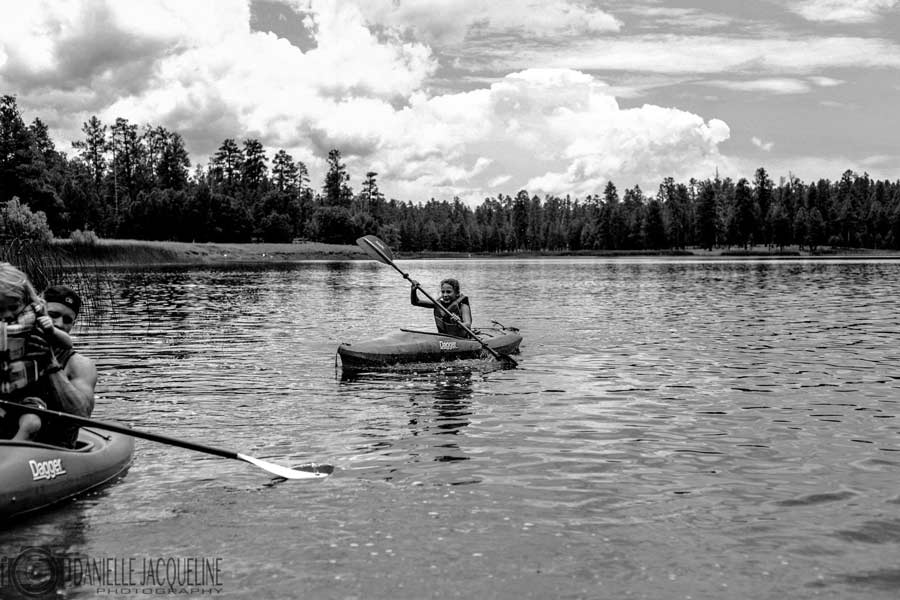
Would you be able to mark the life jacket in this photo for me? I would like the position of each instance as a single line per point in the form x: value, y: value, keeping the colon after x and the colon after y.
x: 447, y: 325
x: 19, y: 375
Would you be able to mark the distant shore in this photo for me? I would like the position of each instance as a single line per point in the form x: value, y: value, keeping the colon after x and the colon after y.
x: 138, y: 252
x: 141, y: 252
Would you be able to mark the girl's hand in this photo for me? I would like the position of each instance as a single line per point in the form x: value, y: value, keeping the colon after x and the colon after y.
x: 45, y: 323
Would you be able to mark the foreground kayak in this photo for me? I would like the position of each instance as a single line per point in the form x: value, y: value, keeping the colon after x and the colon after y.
x: 408, y: 346
x: 34, y: 476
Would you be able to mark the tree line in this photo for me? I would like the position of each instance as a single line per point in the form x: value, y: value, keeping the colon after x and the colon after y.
x: 128, y: 181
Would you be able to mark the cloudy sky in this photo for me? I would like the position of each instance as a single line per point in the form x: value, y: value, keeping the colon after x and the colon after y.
x: 474, y: 98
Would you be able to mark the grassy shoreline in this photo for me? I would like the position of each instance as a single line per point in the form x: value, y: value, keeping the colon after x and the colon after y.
x: 139, y: 252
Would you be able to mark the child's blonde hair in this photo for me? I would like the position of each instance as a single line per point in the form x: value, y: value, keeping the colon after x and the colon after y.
x: 14, y: 284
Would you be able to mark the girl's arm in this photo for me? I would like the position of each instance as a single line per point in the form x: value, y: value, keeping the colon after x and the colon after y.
x: 57, y: 338
x: 414, y: 296
x: 60, y: 339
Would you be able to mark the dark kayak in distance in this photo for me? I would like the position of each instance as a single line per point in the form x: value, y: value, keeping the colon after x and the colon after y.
x: 408, y: 346
x: 34, y: 476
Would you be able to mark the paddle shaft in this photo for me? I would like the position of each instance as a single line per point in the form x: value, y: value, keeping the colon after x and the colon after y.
x: 387, y: 260
x: 153, y: 437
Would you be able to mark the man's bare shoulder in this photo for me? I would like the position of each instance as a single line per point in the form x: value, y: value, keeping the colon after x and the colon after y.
x: 79, y: 363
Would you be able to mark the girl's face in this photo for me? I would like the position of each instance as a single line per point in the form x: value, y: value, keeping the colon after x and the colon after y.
x: 447, y: 293
x: 10, y: 307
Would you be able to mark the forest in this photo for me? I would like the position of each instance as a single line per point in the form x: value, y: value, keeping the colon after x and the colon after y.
x: 122, y: 180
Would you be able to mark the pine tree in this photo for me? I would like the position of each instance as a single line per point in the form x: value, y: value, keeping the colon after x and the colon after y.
x: 763, y: 195
x: 285, y: 174
x: 337, y: 191
x: 254, y: 168
x: 743, y: 220
x: 174, y: 163
x: 654, y: 229
x: 706, y: 216
x: 225, y: 167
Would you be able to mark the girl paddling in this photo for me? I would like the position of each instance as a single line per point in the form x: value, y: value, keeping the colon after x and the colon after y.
x: 452, y: 301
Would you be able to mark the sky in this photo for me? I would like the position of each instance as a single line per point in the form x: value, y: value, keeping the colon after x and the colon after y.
x: 476, y: 98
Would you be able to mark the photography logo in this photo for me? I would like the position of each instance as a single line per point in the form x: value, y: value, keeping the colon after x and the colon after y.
x: 35, y: 572
x: 38, y: 572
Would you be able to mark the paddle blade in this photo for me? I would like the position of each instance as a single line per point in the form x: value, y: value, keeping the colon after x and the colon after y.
x: 318, y: 472
x: 377, y: 249
x: 509, y: 360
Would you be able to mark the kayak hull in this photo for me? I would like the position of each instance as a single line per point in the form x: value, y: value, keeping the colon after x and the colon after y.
x: 35, y: 476
x: 408, y: 346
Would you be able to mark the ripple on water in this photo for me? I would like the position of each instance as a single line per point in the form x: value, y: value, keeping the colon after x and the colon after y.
x: 705, y: 429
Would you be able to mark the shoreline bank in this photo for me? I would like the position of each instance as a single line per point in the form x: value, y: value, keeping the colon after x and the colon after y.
x: 138, y: 252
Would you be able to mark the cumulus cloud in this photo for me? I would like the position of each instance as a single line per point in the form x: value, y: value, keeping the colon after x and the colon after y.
x: 570, y: 119
x: 561, y: 130
x: 198, y: 69
x: 765, y: 146
x: 843, y: 11
x: 102, y: 47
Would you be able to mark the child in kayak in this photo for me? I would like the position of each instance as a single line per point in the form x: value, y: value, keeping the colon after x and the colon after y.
x: 30, y: 372
x: 451, y: 301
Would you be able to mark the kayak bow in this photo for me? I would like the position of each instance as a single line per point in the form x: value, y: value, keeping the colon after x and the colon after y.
x: 35, y: 476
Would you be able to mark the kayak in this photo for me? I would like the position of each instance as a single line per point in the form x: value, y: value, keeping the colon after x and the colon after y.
x: 35, y: 476
x: 408, y: 346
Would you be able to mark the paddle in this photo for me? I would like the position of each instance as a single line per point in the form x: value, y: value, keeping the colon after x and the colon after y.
x: 380, y: 251
x: 279, y: 470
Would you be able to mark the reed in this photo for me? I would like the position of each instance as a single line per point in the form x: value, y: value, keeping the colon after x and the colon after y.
x: 117, y: 252
x: 49, y: 263
x: 35, y: 259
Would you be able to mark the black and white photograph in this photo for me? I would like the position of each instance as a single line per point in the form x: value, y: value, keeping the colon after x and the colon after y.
x: 481, y: 299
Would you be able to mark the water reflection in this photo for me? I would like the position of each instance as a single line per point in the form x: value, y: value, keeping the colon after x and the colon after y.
x: 446, y: 414
x: 746, y: 410
x: 39, y: 548
x: 436, y: 403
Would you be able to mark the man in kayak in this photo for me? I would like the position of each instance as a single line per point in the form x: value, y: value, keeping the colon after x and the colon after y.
x: 74, y: 386
x: 453, y: 302
x: 34, y: 372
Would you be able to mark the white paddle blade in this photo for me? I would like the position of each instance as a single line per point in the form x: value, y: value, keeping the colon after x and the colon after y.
x: 285, y: 472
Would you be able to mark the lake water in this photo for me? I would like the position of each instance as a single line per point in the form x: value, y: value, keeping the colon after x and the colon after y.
x: 675, y: 429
